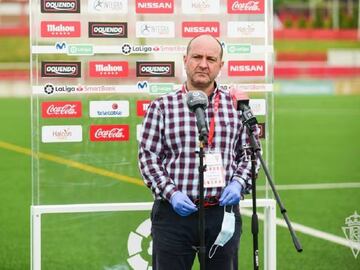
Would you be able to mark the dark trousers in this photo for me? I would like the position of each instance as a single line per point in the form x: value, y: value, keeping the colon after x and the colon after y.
x: 175, y: 238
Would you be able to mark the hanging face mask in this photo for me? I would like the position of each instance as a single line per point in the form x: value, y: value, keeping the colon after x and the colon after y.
x: 227, y: 231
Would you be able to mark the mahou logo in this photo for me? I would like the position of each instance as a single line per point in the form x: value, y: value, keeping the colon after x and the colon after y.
x: 245, y: 6
x: 108, y: 29
x: 60, y: 6
x: 246, y: 68
x: 61, y: 29
x: 61, y: 69
x: 61, y: 109
x: 193, y: 29
x: 142, y: 106
x: 154, y: 6
x: 108, y: 69
x: 109, y: 133
x: 155, y: 69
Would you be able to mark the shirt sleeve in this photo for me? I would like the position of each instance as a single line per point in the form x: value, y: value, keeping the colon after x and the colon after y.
x: 243, y: 159
x: 151, y: 153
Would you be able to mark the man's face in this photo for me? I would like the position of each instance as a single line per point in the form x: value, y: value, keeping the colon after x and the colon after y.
x: 203, y: 63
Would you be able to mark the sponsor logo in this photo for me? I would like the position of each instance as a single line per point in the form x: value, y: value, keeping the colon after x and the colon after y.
x: 143, y: 86
x: 155, y: 29
x: 142, y: 106
x: 200, y: 6
x: 51, y: 89
x: 238, y: 48
x: 246, y: 68
x: 109, y: 108
x: 161, y: 88
x: 108, y: 29
x: 262, y: 130
x: 154, y: 6
x: 155, y: 69
x: 193, y: 29
x: 109, y: 133
x: 60, y: 29
x: 245, y: 6
x: 61, y: 134
x: 80, y: 49
x: 246, y: 29
x: 61, y: 69
x: 60, y: 6
x: 258, y: 106
x: 108, y: 69
x: 61, y: 109
x: 60, y: 46
x: 129, y: 49
x: 138, y: 132
x: 108, y: 6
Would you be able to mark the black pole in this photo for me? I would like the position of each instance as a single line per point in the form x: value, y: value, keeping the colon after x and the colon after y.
x: 202, y: 247
x: 250, y: 122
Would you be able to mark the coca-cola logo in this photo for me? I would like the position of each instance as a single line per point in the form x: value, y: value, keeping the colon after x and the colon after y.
x: 60, y: 6
x: 61, y: 109
x: 108, y: 29
x: 60, y: 29
x: 246, y: 6
x: 108, y: 69
x: 154, y: 6
x: 141, y: 107
x: 61, y: 69
x: 109, y: 133
x: 193, y: 29
x: 155, y: 69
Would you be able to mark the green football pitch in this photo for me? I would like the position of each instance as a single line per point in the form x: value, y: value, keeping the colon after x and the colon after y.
x: 317, y: 171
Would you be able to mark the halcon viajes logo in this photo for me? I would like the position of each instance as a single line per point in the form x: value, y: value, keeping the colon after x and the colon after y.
x: 61, y: 69
x: 108, y: 29
x: 155, y: 69
x: 60, y: 6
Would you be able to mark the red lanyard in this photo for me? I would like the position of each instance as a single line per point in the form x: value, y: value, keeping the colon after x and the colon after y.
x: 212, y: 121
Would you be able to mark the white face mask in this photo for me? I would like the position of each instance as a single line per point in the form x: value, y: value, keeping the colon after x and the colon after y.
x: 227, y: 231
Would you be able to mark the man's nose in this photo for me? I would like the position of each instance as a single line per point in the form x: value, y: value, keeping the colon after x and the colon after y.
x: 203, y: 62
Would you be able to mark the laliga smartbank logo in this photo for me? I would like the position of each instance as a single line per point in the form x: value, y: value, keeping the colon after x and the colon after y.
x: 352, y: 232
x: 60, y: 6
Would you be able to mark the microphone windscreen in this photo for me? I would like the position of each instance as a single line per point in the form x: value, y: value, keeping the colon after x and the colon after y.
x: 196, y: 99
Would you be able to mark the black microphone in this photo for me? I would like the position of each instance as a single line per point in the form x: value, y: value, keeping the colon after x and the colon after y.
x: 241, y: 103
x: 197, y: 102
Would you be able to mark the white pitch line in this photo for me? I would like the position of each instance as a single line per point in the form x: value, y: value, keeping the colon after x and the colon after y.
x: 309, y: 231
x: 315, y: 186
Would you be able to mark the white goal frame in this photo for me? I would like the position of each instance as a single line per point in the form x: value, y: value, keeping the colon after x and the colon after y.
x: 37, y: 211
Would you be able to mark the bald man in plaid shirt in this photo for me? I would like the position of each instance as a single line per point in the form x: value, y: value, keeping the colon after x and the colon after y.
x: 169, y: 165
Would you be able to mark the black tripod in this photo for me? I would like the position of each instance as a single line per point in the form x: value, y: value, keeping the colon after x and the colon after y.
x: 250, y: 122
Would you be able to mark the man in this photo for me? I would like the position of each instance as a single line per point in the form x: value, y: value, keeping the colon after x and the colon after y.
x: 169, y: 165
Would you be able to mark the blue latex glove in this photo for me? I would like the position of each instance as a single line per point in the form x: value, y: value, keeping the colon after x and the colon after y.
x: 182, y: 204
x: 231, y: 194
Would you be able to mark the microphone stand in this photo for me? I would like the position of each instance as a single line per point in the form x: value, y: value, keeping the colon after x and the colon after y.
x: 202, y: 167
x: 250, y: 122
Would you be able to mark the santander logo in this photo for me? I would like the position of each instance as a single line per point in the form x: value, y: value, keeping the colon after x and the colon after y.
x: 109, y: 133
x: 246, y: 6
x: 61, y: 109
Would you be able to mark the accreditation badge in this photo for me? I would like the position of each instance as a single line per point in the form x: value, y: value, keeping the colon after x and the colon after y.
x: 214, y: 175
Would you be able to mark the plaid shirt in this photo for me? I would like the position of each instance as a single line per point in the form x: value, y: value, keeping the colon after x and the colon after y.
x: 169, y: 139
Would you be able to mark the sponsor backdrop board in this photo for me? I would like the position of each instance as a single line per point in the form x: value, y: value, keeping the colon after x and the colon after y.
x: 96, y: 66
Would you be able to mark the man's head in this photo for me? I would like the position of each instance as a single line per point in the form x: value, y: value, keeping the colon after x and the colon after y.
x: 203, y: 61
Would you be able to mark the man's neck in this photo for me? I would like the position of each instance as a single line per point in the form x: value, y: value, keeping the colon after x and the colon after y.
x: 207, y: 90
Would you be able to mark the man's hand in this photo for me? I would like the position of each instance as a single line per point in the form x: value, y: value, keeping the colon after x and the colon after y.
x: 182, y: 204
x: 231, y: 194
